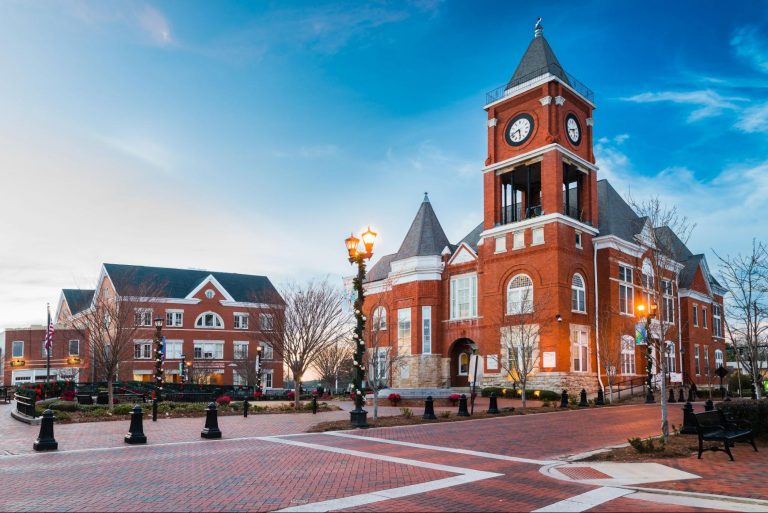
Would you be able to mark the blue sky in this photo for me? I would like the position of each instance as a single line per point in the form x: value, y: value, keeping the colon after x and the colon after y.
x: 253, y: 136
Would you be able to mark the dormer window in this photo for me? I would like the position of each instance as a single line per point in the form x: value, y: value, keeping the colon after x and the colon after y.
x: 209, y: 320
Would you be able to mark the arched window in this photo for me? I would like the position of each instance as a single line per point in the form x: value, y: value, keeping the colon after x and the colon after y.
x: 578, y: 294
x: 520, y: 295
x: 463, y: 364
x: 380, y: 319
x: 628, y: 355
x: 209, y: 320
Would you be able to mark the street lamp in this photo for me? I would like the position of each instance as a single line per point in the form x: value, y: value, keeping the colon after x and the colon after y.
x: 358, y: 416
x: 158, y: 366
x: 650, y: 314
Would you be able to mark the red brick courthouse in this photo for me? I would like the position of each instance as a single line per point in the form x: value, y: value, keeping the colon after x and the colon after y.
x: 211, y: 318
x: 550, y: 230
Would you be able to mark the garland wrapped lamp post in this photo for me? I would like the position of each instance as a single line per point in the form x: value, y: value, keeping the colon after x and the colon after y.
x: 648, y: 357
x: 158, y: 366
x: 358, y: 416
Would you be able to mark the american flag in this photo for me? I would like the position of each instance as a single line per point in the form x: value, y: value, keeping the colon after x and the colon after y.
x: 49, y: 333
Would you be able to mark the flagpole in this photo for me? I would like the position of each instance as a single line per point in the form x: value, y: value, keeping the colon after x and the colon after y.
x: 49, y: 345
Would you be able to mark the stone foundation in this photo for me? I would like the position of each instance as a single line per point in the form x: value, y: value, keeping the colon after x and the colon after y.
x: 554, y: 381
x: 421, y: 371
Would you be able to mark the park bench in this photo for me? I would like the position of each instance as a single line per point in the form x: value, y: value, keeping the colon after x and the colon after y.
x: 713, y: 426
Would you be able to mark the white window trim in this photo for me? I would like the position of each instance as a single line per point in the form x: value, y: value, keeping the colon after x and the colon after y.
x: 174, y: 341
x: 404, y: 344
x: 458, y: 363
x: 264, y: 346
x: 426, y: 318
x: 174, y: 325
x: 141, y: 311
x: 579, y: 240
x: 528, y: 299
x: 377, y: 318
x: 142, y: 342
x: 234, y: 349
x: 22, y: 349
x: 583, y: 289
x: 240, y: 315
x: 195, y: 343
x: 69, y: 348
x: 454, y: 306
x: 696, y: 316
x: 586, y: 343
x: 202, y: 316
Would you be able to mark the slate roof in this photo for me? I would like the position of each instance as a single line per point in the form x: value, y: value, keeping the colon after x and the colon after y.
x: 425, y: 236
x: 537, y: 60
x: 473, y: 237
x: 178, y: 283
x: 380, y: 269
x: 615, y: 216
x: 77, y: 299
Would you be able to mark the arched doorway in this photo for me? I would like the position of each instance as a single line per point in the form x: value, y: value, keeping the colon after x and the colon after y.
x: 460, y: 353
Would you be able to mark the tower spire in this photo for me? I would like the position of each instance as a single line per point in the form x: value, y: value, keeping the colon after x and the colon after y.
x: 538, y: 29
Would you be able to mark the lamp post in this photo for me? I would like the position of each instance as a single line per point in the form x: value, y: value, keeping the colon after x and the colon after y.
x: 650, y: 314
x: 358, y: 416
x: 158, y: 366
x: 258, y: 367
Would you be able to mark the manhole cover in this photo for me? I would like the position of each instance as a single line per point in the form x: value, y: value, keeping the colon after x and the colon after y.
x: 579, y: 473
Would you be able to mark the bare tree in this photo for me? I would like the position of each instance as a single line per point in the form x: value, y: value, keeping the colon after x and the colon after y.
x: 311, y: 319
x: 664, y: 234
x: 746, y: 278
x: 611, y: 346
x: 521, y: 328
x: 111, y: 325
x: 248, y: 367
x: 334, y: 362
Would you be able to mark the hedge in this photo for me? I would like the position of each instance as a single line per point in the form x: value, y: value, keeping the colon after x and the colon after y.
x: 752, y: 411
x: 516, y: 393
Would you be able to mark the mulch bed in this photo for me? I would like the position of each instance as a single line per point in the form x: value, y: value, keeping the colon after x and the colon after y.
x: 679, y: 446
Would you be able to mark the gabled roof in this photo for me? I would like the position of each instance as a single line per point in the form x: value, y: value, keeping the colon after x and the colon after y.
x: 425, y: 237
x: 178, y: 283
x: 537, y: 60
x: 77, y: 299
x: 472, y: 238
x: 615, y: 216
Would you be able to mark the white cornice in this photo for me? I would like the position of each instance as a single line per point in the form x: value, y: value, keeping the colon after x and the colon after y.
x: 698, y: 296
x: 465, y: 247
x: 538, y: 152
x: 245, y: 304
x: 215, y: 282
x: 619, y: 244
x: 535, y: 222
x: 532, y: 84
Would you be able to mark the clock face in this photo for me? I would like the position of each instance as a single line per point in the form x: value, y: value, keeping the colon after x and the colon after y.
x: 519, y: 129
x: 573, y: 129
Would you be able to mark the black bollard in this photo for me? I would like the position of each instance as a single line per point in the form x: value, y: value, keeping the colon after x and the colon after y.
x: 709, y: 405
x: 136, y: 430
x: 564, y: 399
x: 692, y: 394
x: 245, y: 407
x: 493, y: 406
x: 689, y: 423
x: 154, y: 410
x: 600, y: 401
x: 680, y: 395
x: 429, y: 409
x: 583, y: 399
x: 314, y: 404
x: 671, y: 398
x: 463, y: 411
x: 45, y: 440
x: 211, y: 429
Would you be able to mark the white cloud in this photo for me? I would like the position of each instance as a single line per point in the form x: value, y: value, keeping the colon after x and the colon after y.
x: 154, y: 24
x: 752, y: 46
x: 148, y: 21
x: 706, y: 103
x: 754, y: 119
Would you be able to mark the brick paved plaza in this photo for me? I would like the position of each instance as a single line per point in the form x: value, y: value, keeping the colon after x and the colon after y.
x: 267, y: 463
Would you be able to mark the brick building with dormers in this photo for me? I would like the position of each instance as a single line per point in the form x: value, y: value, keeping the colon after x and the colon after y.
x: 213, y: 319
x: 550, y: 230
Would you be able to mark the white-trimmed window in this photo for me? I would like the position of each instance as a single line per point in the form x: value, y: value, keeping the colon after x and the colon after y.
x: 143, y: 316
x: 174, y: 349
x: 667, y: 302
x: 463, y: 364
x: 380, y: 319
x: 238, y: 379
x: 464, y: 296
x: 404, y: 331
x: 697, y: 359
x: 241, y: 350
x: 580, y: 348
x: 537, y: 236
x: 267, y: 353
x: 209, y: 350
x: 142, y: 349
x: 671, y: 356
x: 74, y: 348
x: 209, y: 320
x: 241, y: 321
x: 628, y: 362
x: 174, y: 318
x: 696, y: 316
x: 17, y: 349
x: 382, y: 364
x: 520, y: 295
x: 426, y: 329
x: 704, y: 317
x: 267, y: 376
x: 718, y: 358
x: 717, y: 321
x: 266, y: 322
x: 516, y: 341
x: 518, y: 240
x: 647, y: 274
x: 626, y: 290
x: 707, y: 370
x: 578, y: 294
x: 578, y: 240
